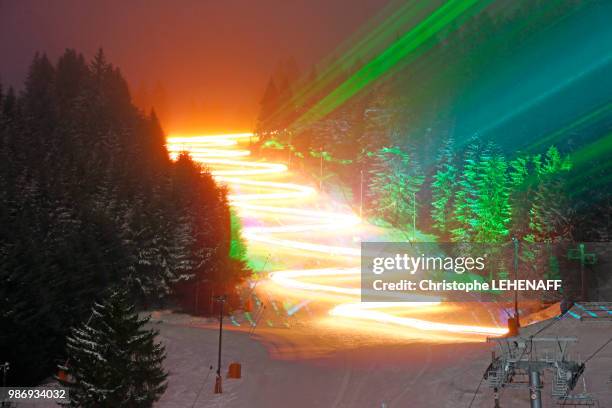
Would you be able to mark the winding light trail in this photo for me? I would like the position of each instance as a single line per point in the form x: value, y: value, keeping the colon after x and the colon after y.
x: 249, y: 194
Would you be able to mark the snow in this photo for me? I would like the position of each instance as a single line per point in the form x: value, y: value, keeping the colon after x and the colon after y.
x: 285, y: 367
x: 300, y: 367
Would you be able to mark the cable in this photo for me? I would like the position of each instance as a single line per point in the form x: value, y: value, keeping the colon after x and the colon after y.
x: 202, y: 387
x: 476, y: 392
x: 553, y: 321
x: 257, y: 319
x: 598, y: 350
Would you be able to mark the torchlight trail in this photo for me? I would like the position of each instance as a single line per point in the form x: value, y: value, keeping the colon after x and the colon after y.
x: 227, y: 162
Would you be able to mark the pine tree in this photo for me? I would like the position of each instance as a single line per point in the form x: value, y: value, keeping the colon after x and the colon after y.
x: 482, y: 208
x: 522, y: 181
x: 99, y: 67
x: 376, y: 119
x: 269, y: 106
x: 493, y: 207
x: 443, y: 186
x: 9, y: 106
x: 465, y: 196
x: 395, y: 179
x: 90, y: 199
x: 549, y: 217
x: 113, y: 359
x: 71, y: 74
x: 238, y: 249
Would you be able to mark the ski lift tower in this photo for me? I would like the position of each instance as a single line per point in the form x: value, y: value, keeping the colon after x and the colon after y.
x: 523, y: 361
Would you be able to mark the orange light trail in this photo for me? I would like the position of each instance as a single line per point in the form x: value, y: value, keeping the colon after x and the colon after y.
x: 287, y: 190
x: 221, y: 153
x: 363, y: 311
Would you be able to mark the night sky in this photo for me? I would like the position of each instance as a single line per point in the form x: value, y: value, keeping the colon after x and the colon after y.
x: 214, y: 55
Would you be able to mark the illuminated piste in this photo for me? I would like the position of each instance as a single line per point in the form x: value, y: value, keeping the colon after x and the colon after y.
x: 258, y: 192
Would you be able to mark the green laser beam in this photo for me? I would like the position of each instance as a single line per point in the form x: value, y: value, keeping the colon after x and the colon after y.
x: 400, y: 49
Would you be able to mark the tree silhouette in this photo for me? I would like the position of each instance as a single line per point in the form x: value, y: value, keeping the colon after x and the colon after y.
x: 113, y: 359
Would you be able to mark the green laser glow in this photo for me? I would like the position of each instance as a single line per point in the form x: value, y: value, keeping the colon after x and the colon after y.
x: 591, y: 117
x: 585, y: 159
x: 376, y: 34
x: 400, y: 49
x: 545, y: 95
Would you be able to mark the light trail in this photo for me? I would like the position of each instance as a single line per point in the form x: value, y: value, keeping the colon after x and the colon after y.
x: 364, y: 311
x: 288, y: 190
x: 221, y: 153
x: 205, y: 153
x: 289, y: 279
x: 247, y: 168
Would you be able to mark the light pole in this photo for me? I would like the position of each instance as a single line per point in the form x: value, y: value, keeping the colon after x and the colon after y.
x: 4, y: 367
x: 414, y: 216
x: 321, y: 169
x: 361, y: 194
x: 218, y: 381
x: 516, y: 311
x: 289, y: 149
x: 579, y: 254
x: 197, y: 294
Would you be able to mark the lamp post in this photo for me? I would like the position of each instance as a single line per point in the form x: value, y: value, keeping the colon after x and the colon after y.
x: 414, y: 216
x: 361, y: 194
x: 218, y: 381
x: 4, y: 367
x: 584, y: 258
x: 321, y: 169
x: 515, y: 259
